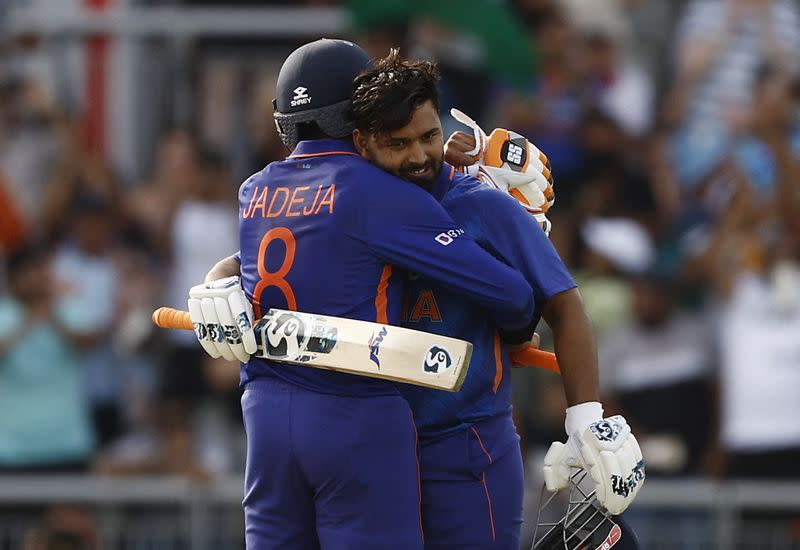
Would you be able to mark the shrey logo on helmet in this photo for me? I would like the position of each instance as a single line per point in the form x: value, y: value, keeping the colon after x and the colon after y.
x: 437, y: 360
x: 300, y: 97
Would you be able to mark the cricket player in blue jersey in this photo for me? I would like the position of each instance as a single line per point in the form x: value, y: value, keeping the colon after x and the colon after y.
x: 472, y: 470
x: 331, y: 458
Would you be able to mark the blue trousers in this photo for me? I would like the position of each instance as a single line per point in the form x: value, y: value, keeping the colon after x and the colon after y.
x: 472, y: 489
x: 328, y: 471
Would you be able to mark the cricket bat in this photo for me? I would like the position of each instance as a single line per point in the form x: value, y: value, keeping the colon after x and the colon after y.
x: 445, y: 360
x: 355, y: 347
x: 535, y: 357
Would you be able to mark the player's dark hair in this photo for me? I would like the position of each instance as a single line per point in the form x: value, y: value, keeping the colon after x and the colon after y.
x: 386, y: 96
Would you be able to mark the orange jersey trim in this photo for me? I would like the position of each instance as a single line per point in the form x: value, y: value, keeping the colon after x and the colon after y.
x: 325, y: 154
x: 381, y: 300
x: 498, y: 363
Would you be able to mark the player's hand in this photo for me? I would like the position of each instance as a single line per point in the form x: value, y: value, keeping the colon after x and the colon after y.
x: 606, y: 449
x: 534, y: 342
x: 460, y: 150
x: 223, y: 319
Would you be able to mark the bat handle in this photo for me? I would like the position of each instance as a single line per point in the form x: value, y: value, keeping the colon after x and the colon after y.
x: 167, y: 317
x: 533, y: 357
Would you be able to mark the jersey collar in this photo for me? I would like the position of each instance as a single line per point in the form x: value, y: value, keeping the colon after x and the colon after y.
x: 322, y: 147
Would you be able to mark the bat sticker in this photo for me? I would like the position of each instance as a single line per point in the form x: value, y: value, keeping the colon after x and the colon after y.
x: 284, y: 337
x: 437, y: 360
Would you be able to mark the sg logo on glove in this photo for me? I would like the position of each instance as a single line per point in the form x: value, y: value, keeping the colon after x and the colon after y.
x: 605, y: 430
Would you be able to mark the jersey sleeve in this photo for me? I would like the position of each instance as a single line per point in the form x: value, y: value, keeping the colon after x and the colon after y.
x: 513, y: 235
x: 409, y: 229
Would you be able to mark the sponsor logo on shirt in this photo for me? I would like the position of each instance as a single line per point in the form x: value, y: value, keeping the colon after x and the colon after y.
x: 447, y: 237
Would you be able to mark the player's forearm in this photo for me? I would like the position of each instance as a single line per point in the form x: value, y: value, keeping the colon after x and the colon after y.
x: 574, y: 345
x: 227, y: 267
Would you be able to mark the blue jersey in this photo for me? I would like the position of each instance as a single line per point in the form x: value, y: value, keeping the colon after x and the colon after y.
x: 326, y: 232
x: 500, y: 225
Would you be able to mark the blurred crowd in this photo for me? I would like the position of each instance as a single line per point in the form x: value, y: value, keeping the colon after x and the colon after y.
x: 673, y: 129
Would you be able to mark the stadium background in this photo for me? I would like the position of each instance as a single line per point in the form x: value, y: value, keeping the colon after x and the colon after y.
x: 673, y: 127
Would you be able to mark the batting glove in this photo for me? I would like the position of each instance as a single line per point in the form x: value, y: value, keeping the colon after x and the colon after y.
x: 223, y: 319
x: 509, y: 162
x: 606, y: 449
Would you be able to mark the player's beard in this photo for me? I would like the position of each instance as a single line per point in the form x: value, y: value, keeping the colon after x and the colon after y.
x: 427, y: 182
x: 405, y: 171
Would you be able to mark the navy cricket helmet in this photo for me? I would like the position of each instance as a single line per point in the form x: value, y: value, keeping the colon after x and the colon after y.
x: 314, y: 85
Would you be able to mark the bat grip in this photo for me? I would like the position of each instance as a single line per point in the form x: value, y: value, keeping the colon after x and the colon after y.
x: 532, y: 357
x: 167, y: 317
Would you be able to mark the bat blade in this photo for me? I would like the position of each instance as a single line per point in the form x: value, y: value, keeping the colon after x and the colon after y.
x: 363, y: 348
x: 356, y: 347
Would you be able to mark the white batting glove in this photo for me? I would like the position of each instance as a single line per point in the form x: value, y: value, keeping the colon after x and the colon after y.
x: 223, y: 319
x: 606, y: 449
x: 526, y: 188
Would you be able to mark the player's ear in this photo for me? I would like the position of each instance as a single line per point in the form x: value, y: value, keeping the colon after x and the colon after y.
x: 360, y: 140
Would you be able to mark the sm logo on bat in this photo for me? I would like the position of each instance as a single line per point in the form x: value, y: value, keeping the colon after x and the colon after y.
x: 437, y: 360
x: 375, y: 342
